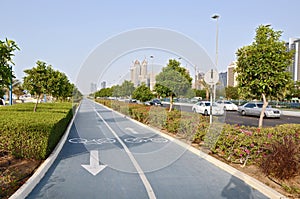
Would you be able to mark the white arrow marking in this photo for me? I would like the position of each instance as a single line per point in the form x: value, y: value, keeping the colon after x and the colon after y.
x: 94, y: 167
x: 132, y: 130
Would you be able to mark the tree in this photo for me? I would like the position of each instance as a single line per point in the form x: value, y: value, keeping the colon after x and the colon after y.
x: 43, y: 79
x: 77, y: 95
x: 295, y: 91
x: 201, y: 93
x: 36, y: 81
x: 104, y: 92
x: 262, y: 67
x: 116, y: 91
x: 7, y: 48
x: 18, y: 89
x: 206, y: 88
x: 59, y: 85
x: 174, y: 80
x: 127, y: 88
x: 231, y: 92
x: 142, y: 93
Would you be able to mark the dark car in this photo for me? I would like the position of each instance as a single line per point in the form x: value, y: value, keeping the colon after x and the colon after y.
x: 155, y: 102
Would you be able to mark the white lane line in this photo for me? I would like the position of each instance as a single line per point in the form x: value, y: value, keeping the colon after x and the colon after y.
x: 141, y: 173
x: 131, y: 130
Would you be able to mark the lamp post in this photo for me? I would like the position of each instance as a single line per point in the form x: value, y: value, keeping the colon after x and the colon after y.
x: 216, y: 17
x: 196, y: 77
x: 152, y: 75
x: 10, y: 86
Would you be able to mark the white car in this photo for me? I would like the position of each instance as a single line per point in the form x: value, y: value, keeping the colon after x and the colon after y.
x: 203, y: 108
x: 227, y: 105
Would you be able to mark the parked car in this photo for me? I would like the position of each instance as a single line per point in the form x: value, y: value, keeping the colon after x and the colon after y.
x: 203, y: 107
x: 196, y: 99
x: 254, y: 109
x: 227, y: 105
x: 155, y: 102
x: 132, y: 101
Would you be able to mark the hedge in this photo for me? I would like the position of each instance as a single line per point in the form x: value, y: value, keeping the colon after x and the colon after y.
x: 28, y: 134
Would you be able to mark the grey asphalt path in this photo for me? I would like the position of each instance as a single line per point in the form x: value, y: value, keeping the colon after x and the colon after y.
x: 136, y: 163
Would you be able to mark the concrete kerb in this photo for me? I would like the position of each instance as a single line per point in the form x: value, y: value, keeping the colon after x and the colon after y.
x: 29, y: 185
x: 266, y: 190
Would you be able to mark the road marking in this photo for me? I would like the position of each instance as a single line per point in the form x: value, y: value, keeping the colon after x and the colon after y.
x: 131, y: 130
x: 94, y: 167
x: 92, y: 141
x: 141, y: 173
x: 139, y: 140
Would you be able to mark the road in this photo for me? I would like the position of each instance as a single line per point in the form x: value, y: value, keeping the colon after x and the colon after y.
x: 107, y: 155
x: 233, y: 117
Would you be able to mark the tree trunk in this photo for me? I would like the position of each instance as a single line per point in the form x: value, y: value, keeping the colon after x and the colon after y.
x: 262, y: 114
x: 171, y: 103
x: 207, y: 93
x: 37, y: 101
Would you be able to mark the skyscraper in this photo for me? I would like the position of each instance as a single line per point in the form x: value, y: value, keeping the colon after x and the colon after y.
x: 138, y: 73
x: 294, y: 44
x: 231, y: 75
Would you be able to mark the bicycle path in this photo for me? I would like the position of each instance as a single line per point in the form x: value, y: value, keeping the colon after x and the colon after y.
x: 107, y: 155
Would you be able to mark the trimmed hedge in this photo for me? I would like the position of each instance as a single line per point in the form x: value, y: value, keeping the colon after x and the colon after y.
x: 28, y: 134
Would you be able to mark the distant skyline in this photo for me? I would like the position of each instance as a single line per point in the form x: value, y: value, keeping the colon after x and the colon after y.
x: 65, y: 33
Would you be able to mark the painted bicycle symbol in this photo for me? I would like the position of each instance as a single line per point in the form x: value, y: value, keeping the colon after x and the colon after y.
x: 92, y: 141
x: 134, y: 140
x: 145, y: 139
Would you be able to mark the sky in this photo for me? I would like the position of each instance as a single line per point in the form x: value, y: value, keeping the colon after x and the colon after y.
x: 66, y: 34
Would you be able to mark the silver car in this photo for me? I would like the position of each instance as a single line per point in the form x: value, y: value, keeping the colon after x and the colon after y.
x: 254, y: 108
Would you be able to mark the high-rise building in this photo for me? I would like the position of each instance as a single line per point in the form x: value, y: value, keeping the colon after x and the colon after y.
x: 138, y: 73
x: 103, y: 84
x: 294, y: 44
x: 231, y: 74
x: 200, y: 79
x: 223, y: 79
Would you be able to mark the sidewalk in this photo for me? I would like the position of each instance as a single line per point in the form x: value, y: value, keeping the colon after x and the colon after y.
x: 291, y: 113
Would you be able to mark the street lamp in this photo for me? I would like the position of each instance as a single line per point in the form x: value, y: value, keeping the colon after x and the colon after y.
x: 151, y: 76
x: 10, y: 86
x: 216, y: 17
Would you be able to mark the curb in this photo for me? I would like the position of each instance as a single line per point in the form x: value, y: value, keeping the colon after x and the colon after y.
x: 254, y: 183
x: 29, y: 185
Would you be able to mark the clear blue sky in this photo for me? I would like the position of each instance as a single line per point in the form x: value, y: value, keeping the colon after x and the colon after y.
x: 64, y: 33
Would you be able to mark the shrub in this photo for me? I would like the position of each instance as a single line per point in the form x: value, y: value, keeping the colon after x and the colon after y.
x: 26, y: 134
x: 157, y: 117
x: 141, y: 114
x: 283, y: 161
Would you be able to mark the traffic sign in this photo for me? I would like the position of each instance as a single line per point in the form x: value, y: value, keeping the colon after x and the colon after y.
x: 211, y: 77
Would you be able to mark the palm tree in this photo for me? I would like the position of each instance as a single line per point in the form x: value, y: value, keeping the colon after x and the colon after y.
x: 206, y: 87
x: 18, y: 89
